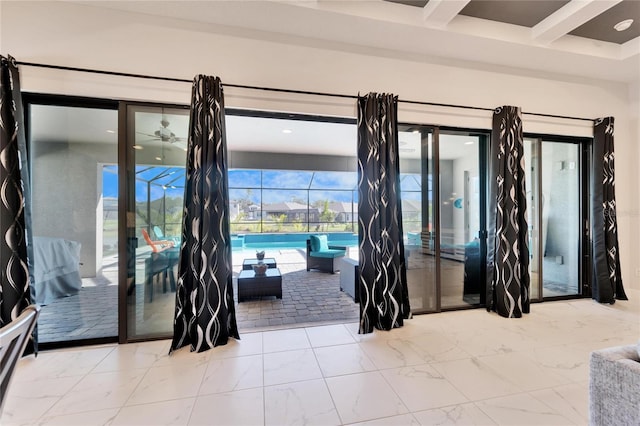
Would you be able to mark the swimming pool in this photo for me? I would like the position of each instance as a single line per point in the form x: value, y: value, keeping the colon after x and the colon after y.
x: 288, y: 241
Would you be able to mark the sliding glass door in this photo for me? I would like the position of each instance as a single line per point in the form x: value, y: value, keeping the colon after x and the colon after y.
x: 417, y: 171
x: 156, y: 144
x: 73, y: 149
x: 556, y: 213
x: 443, y: 203
x: 461, y: 220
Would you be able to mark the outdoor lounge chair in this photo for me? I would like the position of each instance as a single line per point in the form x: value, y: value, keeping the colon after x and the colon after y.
x: 322, y: 256
x: 160, y: 235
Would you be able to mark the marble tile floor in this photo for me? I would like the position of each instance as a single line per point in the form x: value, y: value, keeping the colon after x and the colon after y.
x: 464, y: 368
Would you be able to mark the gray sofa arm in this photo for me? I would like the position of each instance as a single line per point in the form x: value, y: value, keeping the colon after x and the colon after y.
x: 614, y: 386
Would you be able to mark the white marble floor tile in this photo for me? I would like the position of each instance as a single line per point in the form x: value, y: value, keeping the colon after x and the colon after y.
x: 240, y: 408
x: 343, y: 359
x: 524, y: 371
x: 168, y: 382
x: 64, y: 363
x: 28, y: 400
x: 299, y: 403
x: 329, y: 335
x: 439, y: 347
x: 421, y: 387
x: 571, y: 401
x: 401, y: 420
x: 231, y: 374
x: 474, y: 379
x: 276, y: 377
x: 88, y: 418
x: 521, y: 409
x: 249, y: 344
x: 570, y: 361
x: 168, y: 413
x: 290, y: 366
x: 133, y: 356
x: 494, y: 340
x: 463, y: 415
x: 285, y: 340
x: 392, y: 353
x: 184, y: 356
x: 364, y: 396
x: 98, y: 391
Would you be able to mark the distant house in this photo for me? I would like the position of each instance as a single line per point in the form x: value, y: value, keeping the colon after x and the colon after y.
x: 292, y: 210
x: 345, y: 212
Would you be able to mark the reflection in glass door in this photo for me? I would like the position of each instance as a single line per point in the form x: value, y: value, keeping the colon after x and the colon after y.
x: 554, y: 217
x: 418, y: 217
x: 460, y: 203
x: 73, y: 152
x: 156, y: 144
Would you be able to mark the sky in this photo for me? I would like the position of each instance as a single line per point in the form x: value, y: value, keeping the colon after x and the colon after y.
x: 278, y: 186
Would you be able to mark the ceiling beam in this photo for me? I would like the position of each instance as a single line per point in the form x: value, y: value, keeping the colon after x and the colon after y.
x: 568, y: 18
x: 438, y: 13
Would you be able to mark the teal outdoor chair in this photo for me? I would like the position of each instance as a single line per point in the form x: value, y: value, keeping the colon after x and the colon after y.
x: 322, y: 256
x: 160, y: 235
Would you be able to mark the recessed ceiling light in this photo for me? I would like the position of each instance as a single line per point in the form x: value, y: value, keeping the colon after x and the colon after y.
x: 159, y: 158
x: 623, y: 25
x: 416, y: 131
x: 138, y: 147
x: 111, y: 131
x: 287, y: 131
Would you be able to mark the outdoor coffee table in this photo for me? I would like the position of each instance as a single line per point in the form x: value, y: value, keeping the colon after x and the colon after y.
x: 247, y: 264
x: 252, y: 285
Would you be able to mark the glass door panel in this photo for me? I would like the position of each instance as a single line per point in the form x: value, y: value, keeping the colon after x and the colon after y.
x: 157, y: 143
x: 561, y: 219
x: 554, y: 217
x: 418, y: 217
x: 460, y: 225
x: 74, y: 152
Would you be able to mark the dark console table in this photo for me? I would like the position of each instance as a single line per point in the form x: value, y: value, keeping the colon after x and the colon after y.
x: 252, y: 285
x: 247, y: 264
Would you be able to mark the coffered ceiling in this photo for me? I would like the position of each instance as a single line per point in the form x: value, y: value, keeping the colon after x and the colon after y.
x: 595, y: 21
x: 566, y: 38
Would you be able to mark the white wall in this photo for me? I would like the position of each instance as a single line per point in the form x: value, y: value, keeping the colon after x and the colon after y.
x: 83, y: 36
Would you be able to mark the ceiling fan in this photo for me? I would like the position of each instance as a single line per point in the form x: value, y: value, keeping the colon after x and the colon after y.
x: 164, y: 134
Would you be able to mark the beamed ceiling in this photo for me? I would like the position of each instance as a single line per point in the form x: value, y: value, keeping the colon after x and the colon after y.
x: 557, y: 38
x: 596, y: 24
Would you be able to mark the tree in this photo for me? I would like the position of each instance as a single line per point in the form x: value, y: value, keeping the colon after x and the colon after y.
x: 326, y: 215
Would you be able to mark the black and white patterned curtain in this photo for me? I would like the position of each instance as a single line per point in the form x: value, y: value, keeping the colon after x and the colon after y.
x: 16, y: 291
x: 384, y: 298
x: 205, y: 311
x: 507, y: 251
x: 607, y: 277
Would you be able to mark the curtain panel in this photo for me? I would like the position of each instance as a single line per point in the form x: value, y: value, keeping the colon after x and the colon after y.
x: 205, y: 314
x: 384, y: 298
x: 607, y: 277
x: 15, y: 218
x: 507, y: 251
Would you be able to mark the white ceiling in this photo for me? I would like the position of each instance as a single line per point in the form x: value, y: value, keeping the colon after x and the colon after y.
x: 374, y: 27
x: 436, y: 33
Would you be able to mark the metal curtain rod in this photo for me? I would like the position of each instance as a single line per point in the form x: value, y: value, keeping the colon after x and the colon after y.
x: 272, y: 89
